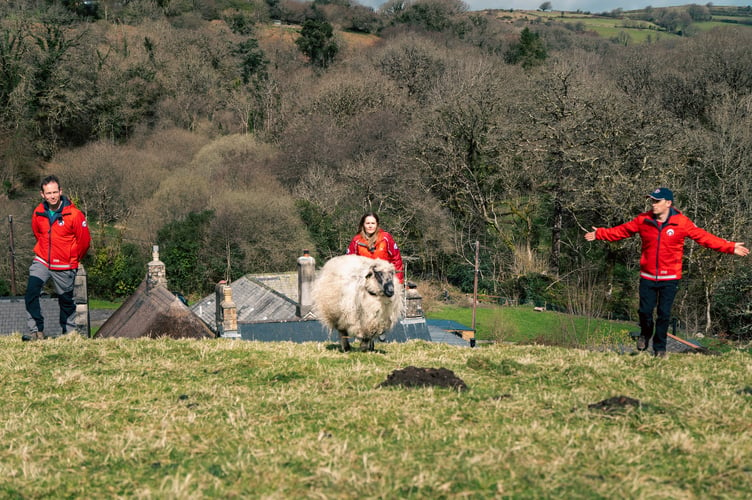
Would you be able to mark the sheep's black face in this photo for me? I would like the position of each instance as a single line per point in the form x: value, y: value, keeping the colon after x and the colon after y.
x: 385, y: 281
x: 388, y: 286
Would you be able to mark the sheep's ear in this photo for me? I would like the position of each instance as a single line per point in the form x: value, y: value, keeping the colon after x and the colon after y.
x: 371, y: 271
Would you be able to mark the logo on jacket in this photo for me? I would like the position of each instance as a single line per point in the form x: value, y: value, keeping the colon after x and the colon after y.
x: 670, y: 232
x: 60, y: 222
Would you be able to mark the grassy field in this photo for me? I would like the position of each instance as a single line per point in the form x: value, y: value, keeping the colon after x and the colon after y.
x: 524, y: 324
x: 188, y: 419
x: 626, y: 25
x: 605, y: 27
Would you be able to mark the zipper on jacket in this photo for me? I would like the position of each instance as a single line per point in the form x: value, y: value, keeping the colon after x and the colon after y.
x: 658, y: 245
x: 49, y: 242
x: 658, y: 252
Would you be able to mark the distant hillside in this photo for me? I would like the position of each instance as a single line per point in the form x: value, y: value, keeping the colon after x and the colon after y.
x: 636, y: 26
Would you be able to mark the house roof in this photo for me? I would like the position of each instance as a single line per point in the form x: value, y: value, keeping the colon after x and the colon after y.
x: 154, y: 312
x: 284, y: 283
x: 675, y: 344
x: 255, y: 299
x: 13, y: 316
x: 448, y: 332
x: 313, y: 331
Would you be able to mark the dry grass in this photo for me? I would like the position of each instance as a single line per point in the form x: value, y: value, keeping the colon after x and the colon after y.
x: 233, y: 419
x: 350, y: 43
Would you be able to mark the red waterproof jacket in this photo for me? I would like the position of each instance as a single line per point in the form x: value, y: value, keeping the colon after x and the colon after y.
x: 62, y: 238
x: 385, y: 249
x: 663, y: 247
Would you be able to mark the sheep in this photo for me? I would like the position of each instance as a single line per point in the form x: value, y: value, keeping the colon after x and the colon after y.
x: 357, y: 296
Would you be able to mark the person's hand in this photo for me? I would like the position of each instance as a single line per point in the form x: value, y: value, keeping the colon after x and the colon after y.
x: 740, y: 249
x: 591, y: 235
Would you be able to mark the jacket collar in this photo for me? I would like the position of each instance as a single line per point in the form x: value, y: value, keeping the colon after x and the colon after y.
x: 57, y: 214
x: 64, y: 202
x: 672, y: 211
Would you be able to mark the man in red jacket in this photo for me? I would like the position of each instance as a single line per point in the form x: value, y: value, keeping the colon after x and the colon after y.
x: 662, y: 231
x: 63, y: 239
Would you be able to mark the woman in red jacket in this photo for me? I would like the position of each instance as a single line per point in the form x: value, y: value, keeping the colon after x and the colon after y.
x: 662, y: 231
x: 375, y: 243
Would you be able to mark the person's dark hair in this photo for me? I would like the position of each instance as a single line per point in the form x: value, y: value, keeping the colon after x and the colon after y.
x: 49, y: 180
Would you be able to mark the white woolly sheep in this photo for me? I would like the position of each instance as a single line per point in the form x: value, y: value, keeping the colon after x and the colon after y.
x: 359, y: 297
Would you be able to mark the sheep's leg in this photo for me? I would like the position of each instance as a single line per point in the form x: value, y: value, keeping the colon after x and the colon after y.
x: 344, y: 341
x: 366, y: 345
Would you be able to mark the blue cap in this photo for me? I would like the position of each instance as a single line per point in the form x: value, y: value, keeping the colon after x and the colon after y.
x: 662, y: 194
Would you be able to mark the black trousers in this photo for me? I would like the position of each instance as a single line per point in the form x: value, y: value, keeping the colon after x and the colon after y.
x: 659, y: 296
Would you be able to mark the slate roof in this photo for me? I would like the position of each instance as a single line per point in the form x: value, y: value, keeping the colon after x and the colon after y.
x: 154, y: 312
x: 313, y: 331
x: 677, y: 344
x: 674, y: 344
x: 13, y: 316
x: 284, y: 283
x: 448, y: 332
x: 256, y: 301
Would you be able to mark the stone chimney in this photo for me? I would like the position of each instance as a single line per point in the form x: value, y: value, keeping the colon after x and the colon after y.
x: 81, y: 299
x: 156, y: 274
x: 227, y: 312
x: 306, y: 275
x: 413, y: 302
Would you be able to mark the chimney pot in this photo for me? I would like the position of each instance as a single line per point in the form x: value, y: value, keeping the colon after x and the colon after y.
x: 306, y: 275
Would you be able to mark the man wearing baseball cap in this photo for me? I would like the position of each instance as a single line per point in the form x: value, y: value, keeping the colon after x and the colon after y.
x: 662, y: 231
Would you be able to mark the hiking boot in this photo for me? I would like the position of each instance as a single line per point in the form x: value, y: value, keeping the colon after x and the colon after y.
x: 642, y: 343
x: 660, y: 354
x: 30, y: 337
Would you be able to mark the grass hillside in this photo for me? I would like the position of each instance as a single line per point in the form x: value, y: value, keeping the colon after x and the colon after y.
x: 626, y: 25
x: 228, y: 419
x: 525, y: 324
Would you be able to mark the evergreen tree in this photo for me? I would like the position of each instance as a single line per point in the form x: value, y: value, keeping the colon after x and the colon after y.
x: 317, y: 42
x: 529, y: 52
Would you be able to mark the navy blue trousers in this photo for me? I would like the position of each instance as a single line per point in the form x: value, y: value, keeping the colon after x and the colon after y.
x: 658, y: 296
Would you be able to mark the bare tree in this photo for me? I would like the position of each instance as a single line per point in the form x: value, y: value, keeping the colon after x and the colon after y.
x: 717, y: 171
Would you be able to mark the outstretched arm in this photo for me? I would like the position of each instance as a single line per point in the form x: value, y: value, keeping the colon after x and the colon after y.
x: 709, y: 240
x: 615, y: 233
x: 740, y: 249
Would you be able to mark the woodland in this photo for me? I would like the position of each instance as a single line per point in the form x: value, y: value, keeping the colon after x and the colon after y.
x: 235, y: 134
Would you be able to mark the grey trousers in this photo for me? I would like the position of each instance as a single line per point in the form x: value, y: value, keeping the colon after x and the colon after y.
x: 63, y: 282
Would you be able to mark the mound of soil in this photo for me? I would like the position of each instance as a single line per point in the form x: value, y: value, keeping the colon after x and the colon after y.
x: 413, y: 376
x: 615, y: 403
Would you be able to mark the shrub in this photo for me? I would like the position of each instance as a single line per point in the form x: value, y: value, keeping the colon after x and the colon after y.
x: 732, y: 306
x: 115, y: 270
x: 539, y: 290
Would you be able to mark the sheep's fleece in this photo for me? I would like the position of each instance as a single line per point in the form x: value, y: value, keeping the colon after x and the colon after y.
x: 351, y: 295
